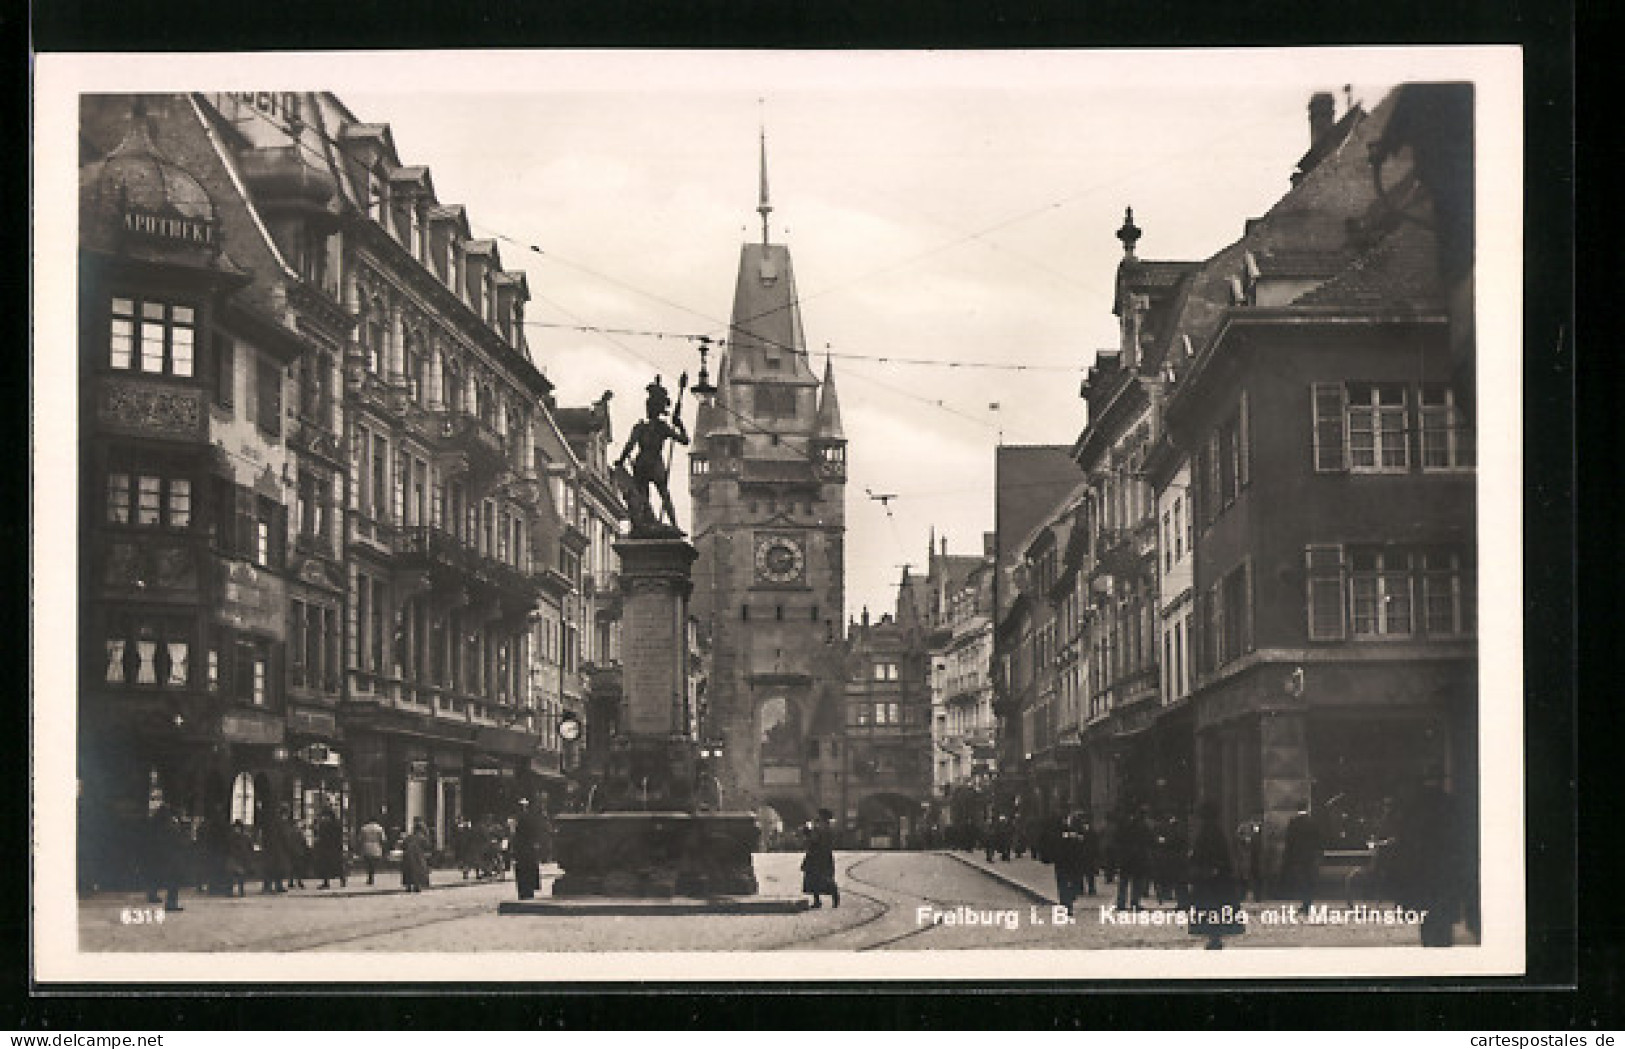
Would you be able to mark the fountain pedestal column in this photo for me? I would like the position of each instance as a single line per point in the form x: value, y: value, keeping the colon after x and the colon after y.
x: 651, y: 840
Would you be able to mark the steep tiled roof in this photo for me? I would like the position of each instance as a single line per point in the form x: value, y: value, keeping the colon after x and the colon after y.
x: 766, y: 318
x: 1294, y: 262
x: 1399, y: 272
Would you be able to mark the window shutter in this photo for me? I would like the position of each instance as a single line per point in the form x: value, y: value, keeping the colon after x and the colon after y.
x: 1324, y: 572
x: 225, y: 369
x: 1244, y: 454
x: 279, y: 537
x: 251, y: 403
x: 1221, y: 651
x: 1330, y: 410
x: 1212, y: 502
x: 270, y: 398
x: 1247, y: 605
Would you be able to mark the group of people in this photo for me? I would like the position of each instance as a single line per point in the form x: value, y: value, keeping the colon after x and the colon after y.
x: 1424, y: 863
x: 225, y: 856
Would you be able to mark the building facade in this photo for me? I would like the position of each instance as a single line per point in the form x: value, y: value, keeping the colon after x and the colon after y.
x: 321, y: 535
x: 879, y: 773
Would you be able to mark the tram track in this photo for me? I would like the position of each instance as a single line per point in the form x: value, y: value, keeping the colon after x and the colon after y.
x: 887, y: 907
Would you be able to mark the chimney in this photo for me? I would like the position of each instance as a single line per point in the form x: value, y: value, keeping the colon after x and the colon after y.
x: 1322, y: 114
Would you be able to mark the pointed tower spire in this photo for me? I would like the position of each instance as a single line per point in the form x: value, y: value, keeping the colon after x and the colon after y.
x: 722, y: 419
x: 829, y: 406
x: 763, y: 208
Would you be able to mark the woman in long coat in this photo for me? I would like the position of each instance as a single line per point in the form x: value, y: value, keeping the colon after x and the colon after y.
x: 329, y: 852
x: 1215, y: 891
x: 415, y: 858
x: 818, y: 865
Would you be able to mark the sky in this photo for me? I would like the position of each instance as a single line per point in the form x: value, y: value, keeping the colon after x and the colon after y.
x: 952, y: 212
x: 955, y: 207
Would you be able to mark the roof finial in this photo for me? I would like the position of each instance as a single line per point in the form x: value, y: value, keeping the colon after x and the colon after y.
x: 763, y: 208
x: 1129, y: 233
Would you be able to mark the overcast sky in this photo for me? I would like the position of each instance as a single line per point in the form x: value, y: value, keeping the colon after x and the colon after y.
x: 959, y: 207
x: 958, y: 223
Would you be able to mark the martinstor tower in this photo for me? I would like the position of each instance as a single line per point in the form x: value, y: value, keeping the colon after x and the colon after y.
x: 768, y: 480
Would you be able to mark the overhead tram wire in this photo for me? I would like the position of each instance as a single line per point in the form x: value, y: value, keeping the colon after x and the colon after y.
x: 1159, y: 162
x: 735, y: 328
x: 837, y: 354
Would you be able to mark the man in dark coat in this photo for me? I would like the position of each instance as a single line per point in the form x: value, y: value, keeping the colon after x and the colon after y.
x: 329, y: 852
x: 1088, y: 846
x: 273, y: 855
x: 240, y: 859
x: 1214, y: 886
x: 1300, y: 858
x: 296, y: 848
x: 818, y: 865
x: 530, y: 842
x: 166, y: 858
x: 1429, y: 866
x: 415, y: 850
x: 1066, y: 853
x: 1132, y: 849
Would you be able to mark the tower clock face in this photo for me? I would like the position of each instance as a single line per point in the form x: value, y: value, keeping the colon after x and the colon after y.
x: 779, y: 559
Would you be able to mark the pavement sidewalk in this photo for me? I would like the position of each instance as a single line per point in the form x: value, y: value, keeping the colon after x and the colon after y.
x: 387, y: 883
x: 1024, y: 874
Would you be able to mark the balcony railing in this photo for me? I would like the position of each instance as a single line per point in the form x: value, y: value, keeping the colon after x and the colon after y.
x: 460, y: 432
x: 442, y: 552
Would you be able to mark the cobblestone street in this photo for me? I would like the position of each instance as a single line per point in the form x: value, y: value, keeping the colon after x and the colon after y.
x: 900, y: 901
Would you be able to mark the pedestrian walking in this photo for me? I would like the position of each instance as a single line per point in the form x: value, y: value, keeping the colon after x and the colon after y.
x: 1429, y: 865
x: 329, y: 851
x: 415, y: 858
x: 1300, y: 857
x: 273, y: 855
x: 1132, y: 849
x: 239, y: 859
x: 1216, y: 892
x: 530, y: 842
x: 370, y: 841
x: 213, y: 848
x: 166, y: 850
x: 818, y: 864
x: 466, y: 848
x: 1250, y: 847
x: 1088, y: 847
x: 1066, y: 853
x: 296, y: 848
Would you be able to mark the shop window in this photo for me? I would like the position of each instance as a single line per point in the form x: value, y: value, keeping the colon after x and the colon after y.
x: 152, y: 336
x: 242, y: 799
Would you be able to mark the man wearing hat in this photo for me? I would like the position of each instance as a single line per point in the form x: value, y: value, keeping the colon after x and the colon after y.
x: 818, y: 866
x: 530, y: 840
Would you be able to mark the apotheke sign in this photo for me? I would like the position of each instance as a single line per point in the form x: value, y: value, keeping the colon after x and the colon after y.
x: 169, y: 227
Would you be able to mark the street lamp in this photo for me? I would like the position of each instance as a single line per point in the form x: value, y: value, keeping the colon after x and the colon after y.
x: 703, y: 387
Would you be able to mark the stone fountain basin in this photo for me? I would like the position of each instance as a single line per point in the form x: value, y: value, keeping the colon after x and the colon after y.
x: 653, y: 855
